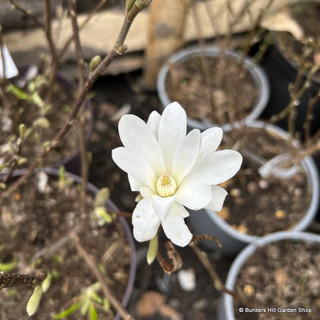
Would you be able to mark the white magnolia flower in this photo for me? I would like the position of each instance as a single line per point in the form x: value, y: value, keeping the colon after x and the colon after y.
x: 172, y: 170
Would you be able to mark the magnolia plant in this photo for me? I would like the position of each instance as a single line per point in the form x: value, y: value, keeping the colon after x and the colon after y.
x: 173, y: 171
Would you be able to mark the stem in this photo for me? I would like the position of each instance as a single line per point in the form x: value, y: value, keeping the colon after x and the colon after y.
x: 81, y: 127
x: 307, y: 124
x: 2, y: 60
x: 94, y: 268
x: 77, y: 43
x: 218, y: 284
x: 82, y: 25
x: 204, y: 259
x: 118, y: 49
x: 8, y: 280
x: 27, y: 13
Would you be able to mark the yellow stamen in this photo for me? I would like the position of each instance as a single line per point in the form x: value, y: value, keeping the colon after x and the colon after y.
x: 166, y: 185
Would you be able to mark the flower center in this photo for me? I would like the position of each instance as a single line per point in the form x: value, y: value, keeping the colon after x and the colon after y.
x: 166, y: 185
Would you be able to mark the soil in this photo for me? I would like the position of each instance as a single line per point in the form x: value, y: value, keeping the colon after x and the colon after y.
x: 284, y: 274
x: 155, y: 296
x: 219, y: 90
x: 306, y: 14
x: 164, y: 294
x: 256, y: 205
x: 21, y: 111
x: 31, y: 230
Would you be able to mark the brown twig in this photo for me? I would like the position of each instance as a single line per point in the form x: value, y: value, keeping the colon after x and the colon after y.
x: 3, y: 65
x: 307, y: 124
x: 118, y: 49
x: 82, y: 25
x: 218, y: 284
x: 95, y: 270
x: 8, y: 280
x: 81, y: 126
x: 77, y: 43
x: 27, y: 13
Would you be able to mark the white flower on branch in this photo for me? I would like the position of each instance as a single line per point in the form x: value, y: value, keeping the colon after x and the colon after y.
x: 172, y: 171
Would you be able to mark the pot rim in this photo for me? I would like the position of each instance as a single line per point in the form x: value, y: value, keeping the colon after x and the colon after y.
x: 93, y: 189
x: 227, y: 300
x: 259, y: 77
x: 313, y: 179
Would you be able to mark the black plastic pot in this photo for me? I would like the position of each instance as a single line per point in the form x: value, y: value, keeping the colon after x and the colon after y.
x: 281, y: 72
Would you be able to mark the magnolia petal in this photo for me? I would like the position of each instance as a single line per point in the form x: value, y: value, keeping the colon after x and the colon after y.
x: 134, y: 183
x: 144, y: 216
x: 153, y: 122
x: 183, y: 212
x: 217, y: 200
x: 175, y: 227
x: 162, y: 205
x: 145, y: 235
x: 172, y: 129
x: 214, y: 168
x: 135, y: 165
x: 211, y: 139
x: 186, y: 155
x: 194, y: 196
x: 139, y: 138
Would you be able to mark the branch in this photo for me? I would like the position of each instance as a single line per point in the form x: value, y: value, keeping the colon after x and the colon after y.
x: 83, y: 24
x: 93, y: 266
x: 27, y: 13
x: 118, y: 49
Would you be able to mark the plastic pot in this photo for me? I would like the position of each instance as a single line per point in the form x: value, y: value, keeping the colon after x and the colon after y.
x: 111, y: 206
x: 257, y: 73
x: 72, y: 162
x: 281, y: 73
x: 208, y: 222
x: 225, y: 308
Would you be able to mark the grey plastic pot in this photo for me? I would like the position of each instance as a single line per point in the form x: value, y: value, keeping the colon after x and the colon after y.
x: 208, y: 222
x: 225, y: 307
x: 111, y: 206
x: 257, y: 73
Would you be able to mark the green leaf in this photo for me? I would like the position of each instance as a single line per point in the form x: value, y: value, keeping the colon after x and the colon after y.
x: 153, y: 249
x: 85, y: 306
x: 33, y: 303
x: 101, y: 197
x: 6, y: 267
x: 95, y: 297
x: 92, y: 312
x: 20, y: 94
x: 102, y: 213
x: 41, y: 122
x: 106, y: 304
x: 68, y: 311
x: 22, y: 130
x: 129, y: 5
x: 46, y: 282
x: 94, y: 63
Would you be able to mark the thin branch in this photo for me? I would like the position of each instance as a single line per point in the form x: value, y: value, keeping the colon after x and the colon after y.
x: 77, y: 43
x: 81, y: 126
x: 218, y: 284
x: 27, y: 13
x: 48, y: 31
x: 82, y: 25
x: 118, y: 49
x: 95, y: 270
x: 3, y: 64
x: 8, y: 280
